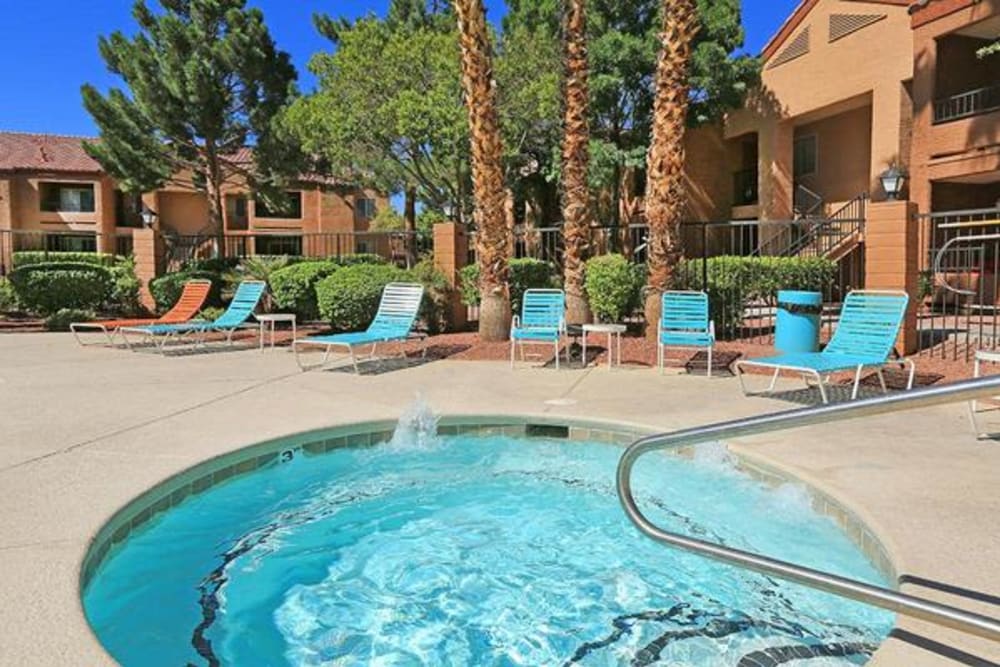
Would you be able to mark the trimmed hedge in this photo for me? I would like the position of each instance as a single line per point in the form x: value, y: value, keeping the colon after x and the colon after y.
x: 167, y: 288
x: 48, y: 288
x: 349, y: 298
x: 614, y: 287
x: 29, y: 257
x: 8, y: 299
x: 61, y: 320
x: 525, y: 274
x: 733, y: 282
x: 294, y: 287
x: 434, y: 310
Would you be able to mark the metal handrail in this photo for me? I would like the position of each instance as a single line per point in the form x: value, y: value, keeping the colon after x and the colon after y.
x: 939, y: 258
x: 909, y: 605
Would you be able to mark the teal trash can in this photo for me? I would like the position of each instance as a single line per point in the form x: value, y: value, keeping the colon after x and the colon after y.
x: 798, y: 322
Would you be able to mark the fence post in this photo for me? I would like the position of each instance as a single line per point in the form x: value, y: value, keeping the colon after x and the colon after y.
x: 451, y: 252
x: 892, y: 252
x: 704, y: 256
x: 149, y: 252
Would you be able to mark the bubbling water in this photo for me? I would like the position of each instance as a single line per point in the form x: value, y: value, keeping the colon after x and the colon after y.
x: 417, y: 427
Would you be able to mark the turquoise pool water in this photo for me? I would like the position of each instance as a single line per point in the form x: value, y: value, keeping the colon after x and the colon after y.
x: 478, y: 551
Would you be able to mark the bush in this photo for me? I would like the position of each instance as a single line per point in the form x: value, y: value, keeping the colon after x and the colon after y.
x: 167, y: 288
x: 29, y: 257
x: 61, y: 320
x: 294, y: 287
x: 434, y: 310
x: 360, y: 258
x: 349, y: 298
x: 48, y: 288
x: 614, y: 287
x: 210, y: 313
x: 734, y: 282
x: 525, y: 274
x: 8, y: 300
x: 125, y: 289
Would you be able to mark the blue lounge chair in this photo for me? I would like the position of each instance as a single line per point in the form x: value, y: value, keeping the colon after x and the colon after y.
x: 397, y: 313
x: 684, y: 323
x: 542, y: 320
x: 244, y: 303
x: 865, y: 338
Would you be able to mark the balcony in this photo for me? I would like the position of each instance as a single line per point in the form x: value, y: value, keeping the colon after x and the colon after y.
x: 967, y: 104
x: 745, y: 187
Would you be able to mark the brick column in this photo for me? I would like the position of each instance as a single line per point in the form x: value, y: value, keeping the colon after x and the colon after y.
x: 451, y: 252
x: 149, y: 253
x: 891, y: 259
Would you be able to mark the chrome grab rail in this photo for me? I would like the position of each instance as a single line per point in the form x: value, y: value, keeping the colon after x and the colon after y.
x: 939, y: 258
x: 909, y: 605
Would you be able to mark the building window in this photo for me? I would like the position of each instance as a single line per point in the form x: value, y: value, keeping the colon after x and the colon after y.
x: 128, y: 209
x: 278, y: 245
x: 290, y: 210
x: 67, y: 197
x: 237, y: 212
x: 71, y: 243
x: 806, y: 156
x: 365, y: 208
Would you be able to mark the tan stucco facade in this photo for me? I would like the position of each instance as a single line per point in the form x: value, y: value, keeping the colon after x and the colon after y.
x: 835, y: 75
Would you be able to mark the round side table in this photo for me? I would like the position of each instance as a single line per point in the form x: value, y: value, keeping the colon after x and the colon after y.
x: 614, y: 332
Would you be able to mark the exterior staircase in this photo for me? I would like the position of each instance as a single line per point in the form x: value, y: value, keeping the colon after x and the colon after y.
x: 833, y: 236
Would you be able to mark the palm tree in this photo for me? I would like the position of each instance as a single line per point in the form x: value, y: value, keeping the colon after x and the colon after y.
x: 665, y: 194
x: 492, y: 243
x: 576, y: 161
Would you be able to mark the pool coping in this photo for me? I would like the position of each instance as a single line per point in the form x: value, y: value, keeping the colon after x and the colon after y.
x: 196, y: 479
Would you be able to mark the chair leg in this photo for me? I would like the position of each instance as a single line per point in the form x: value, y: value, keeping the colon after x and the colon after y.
x: 822, y: 389
x: 513, y: 348
x: 774, y: 380
x: 709, y: 362
x: 857, y: 383
x: 354, y: 360
x: 557, y: 353
x: 881, y: 380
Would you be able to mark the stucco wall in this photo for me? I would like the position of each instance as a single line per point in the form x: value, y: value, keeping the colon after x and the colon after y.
x: 844, y: 154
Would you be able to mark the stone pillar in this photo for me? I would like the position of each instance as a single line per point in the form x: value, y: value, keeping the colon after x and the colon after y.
x: 149, y: 252
x: 892, y: 259
x: 451, y: 253
x: 6, y: 224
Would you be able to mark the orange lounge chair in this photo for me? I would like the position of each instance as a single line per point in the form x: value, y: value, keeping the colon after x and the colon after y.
x: 192, y: 298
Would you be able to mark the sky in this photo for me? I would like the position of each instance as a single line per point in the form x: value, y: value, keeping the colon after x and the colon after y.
x: 49, y: 49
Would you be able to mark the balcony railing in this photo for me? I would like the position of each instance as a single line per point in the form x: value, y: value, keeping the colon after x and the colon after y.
x: 745, y: 187
x: 965, y: 105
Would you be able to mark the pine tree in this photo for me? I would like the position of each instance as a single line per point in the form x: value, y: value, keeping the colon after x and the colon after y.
x: 204, y: 80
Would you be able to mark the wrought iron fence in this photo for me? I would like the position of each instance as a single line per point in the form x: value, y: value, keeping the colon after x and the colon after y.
x: 13, y: 241
x: 401, y: 248
x: 959, y: 283
x: 745, y: 314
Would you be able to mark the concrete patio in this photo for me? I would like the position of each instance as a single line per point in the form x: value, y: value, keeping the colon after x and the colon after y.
x: 83, y: 431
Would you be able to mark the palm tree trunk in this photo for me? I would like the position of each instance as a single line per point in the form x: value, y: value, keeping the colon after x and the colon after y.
x: 575, y: 163
x: 487, y: 171
x: 665, y: 195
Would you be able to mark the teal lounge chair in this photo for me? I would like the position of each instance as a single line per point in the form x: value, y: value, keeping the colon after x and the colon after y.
x: 397, y: 313
x: 542, y: 320
x: 240, y: 310
x: 684, y: 323
x: 865, y: 338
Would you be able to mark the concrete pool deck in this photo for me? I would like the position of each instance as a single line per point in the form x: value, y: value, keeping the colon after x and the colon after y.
x: 84, y: 431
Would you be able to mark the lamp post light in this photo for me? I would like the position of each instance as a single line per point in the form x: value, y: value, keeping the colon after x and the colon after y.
x: 148, y: 217
x: 892, y: 182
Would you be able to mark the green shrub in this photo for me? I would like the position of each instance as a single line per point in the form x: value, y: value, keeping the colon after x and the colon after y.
x: 434, y: 310
x: 349, y: 298
x: 210, y: 313
x: 294, y: 287
x: 48, y: 288
x: 734, y: 282
x: 8, y: 299
x: 167, y: 288
x: 525, y: 274
x: 125, y: 289
x: 60, y: 320
x: 614, y: 287
x: 360, y: 258
x: 29, y: 257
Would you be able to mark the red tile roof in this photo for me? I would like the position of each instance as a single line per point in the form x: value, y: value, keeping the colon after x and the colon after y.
x: 45, y: 152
